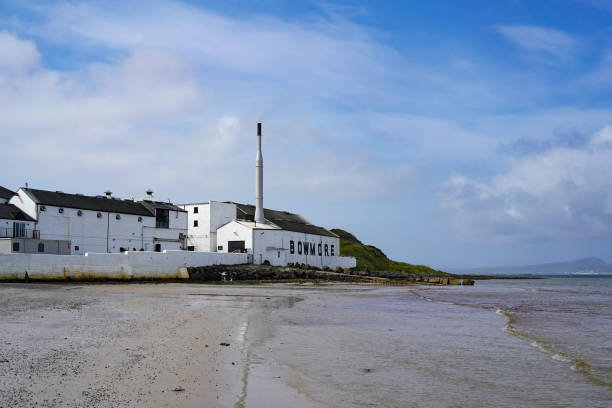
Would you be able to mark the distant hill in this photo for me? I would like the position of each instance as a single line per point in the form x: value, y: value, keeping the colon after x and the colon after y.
x: 584, y: 265
x: 372, y: 259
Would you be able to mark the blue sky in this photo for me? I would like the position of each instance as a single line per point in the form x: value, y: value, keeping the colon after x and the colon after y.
x: 446, y: 133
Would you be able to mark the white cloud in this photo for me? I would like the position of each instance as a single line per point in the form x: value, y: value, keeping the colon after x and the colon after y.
x: 17, y: 55
x: 148, y: 119
x: 603, y: 138
x: 328, y: 57
x: 554, y: 43
x: 559, y: 193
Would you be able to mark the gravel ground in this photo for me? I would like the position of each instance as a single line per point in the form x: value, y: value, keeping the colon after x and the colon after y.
x: 128, y: 345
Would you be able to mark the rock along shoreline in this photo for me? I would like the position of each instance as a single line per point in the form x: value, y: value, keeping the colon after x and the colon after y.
x: 266, y: 273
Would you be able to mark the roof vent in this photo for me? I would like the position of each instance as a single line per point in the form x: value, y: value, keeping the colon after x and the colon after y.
x: 108, y: 193
x: 149, y: 192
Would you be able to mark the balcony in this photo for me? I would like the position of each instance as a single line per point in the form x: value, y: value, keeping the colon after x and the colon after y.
x: 19, y: 233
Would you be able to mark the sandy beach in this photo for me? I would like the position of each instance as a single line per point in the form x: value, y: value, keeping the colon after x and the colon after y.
x: 305, y: 345
x: 136, y: 345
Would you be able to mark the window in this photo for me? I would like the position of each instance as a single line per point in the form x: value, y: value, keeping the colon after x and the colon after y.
x: 79, y: 213
x: 76, y: 247
x: 41, y: 247
x: 139, y: 219
x: 158, y: 246
x: 162, y: 218
x: 99, y: 215
x: 15, y: 246
x: 195, y: 210
x: 118, y: 217
x: 19, y: 230
x: 190, y: 248
x: 195, y: 223
x: 220, y: 248
x: 43, y: 208
x: 61, y: 211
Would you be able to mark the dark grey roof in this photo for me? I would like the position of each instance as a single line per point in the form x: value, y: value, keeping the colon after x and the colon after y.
x: 6, y: 193
x: 10, y: 212
x: 152, y: 205
x: 286, y: 220
x: 94, y: 203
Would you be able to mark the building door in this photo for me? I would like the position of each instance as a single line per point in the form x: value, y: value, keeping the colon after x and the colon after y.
x: 157, y: 247
x: 235, y: 246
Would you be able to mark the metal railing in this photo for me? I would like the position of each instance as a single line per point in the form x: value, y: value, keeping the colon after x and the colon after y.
x: 17, y: 233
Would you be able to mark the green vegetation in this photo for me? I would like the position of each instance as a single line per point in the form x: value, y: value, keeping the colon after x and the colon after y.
x: 372, y: 259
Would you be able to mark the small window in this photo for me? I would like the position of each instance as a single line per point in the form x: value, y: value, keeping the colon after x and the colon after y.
x: 195, y: 210
x: 43, y: 208
x: 162, y: 218
x: 118, y: 217
x: 61, y: 211
x: 220, y: 248
x: 139, y: 219
x: 76, y: 247
x: 79, y: 213
x: 121, y: 249
x: 191, y: 248
x: 99, y: 215
x: 15, y: 246
x: 41, y: 247
x: 195, y: 223
x: 278, y: 254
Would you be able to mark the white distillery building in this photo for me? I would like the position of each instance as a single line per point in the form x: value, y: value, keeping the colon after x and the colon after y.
x: 103, y: 224
x: 274, y: 237
x: 18, y: 233
x: 283, y: 237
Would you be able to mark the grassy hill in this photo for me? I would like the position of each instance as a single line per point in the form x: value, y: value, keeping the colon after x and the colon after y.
x: 372, y: 259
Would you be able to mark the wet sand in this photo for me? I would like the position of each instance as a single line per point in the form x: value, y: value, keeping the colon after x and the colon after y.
x: 139, y: 345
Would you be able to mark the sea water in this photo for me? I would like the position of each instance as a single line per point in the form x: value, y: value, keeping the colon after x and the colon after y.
x: 500, y: 343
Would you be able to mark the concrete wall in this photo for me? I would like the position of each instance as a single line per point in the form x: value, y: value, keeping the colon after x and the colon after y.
x: 129, y: 265
x: 6, y: 245
x: 31, y: 246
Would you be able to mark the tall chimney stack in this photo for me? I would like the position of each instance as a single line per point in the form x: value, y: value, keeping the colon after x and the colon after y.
x: 259, y: 212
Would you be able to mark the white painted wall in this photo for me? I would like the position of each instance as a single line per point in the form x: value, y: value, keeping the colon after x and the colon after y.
x: 234, y: 231
x: 168, y: 238
x: 274, y: 246
x: 210, y: 217
x: 220, y: 214
x: 129, y: 265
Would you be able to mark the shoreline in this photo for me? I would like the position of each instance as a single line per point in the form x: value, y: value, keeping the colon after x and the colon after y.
x: 157, y: 344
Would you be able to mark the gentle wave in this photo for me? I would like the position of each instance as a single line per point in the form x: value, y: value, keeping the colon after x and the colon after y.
x: 575, y: 364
